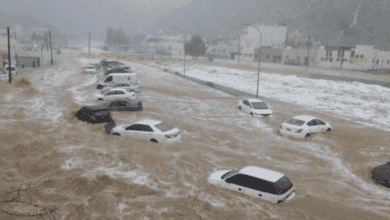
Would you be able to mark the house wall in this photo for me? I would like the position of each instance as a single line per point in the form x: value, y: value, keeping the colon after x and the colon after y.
x: 300, y: 55
x: 274, y: 36
x: 271, y: 55
x: 363, y: 57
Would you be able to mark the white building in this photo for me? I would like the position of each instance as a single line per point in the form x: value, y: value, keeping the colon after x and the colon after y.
x: 273, y: 36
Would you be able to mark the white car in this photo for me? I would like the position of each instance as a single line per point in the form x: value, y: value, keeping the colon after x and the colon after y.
x: 13, y: 69
x: 150, y: 130
x: 254, y: 107
x: 90, y: 69
x: 114, y: 94
x: 303, y: 126
x: 128, y: 86
x: 255, y: 181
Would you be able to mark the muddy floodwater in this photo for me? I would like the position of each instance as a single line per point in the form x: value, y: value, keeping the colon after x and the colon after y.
x: 56, y: 167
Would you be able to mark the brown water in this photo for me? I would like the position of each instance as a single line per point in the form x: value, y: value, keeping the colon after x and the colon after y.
x: 67, y: 169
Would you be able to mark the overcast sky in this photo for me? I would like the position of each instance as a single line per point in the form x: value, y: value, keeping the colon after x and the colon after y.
x: 205, y: 17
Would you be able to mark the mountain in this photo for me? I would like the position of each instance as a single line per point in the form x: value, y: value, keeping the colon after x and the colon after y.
x: 334, y: 22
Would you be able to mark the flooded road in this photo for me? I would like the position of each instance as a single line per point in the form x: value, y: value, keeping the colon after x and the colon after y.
x: 84, y: 173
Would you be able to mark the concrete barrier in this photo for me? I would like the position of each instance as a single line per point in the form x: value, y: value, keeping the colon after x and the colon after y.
x: 349, y: 79
x: 210, y: 84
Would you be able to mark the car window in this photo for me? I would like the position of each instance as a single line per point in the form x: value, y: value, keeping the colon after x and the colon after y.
x: 131, y: 127
x: 109, y: 79
x: 120, y: 92
x: 259, y: 105
x: 126, y: 85
x: 124, y: 103
x: 311, y: 123
x: 295, y: 122
x: 230, y: 173
x: 163, y: 127
x: 319, y: 122
x: 283, y: 185
x: 110, y: 93
x: 147, y: 128
x: 252, y: 183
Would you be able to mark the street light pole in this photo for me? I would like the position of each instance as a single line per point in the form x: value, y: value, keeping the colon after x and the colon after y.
x: 258, y: 71
x: 184, y: 48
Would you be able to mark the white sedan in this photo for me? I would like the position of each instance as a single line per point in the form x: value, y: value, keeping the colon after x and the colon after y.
x: 303, y: 126
x: 114, y: 94
x: 255, y: 181
x: 254, y: 107
x: 90, y: 69
x: 150, y: 130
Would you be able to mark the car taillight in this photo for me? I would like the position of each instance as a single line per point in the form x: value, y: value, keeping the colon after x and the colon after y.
x: 298, y: 131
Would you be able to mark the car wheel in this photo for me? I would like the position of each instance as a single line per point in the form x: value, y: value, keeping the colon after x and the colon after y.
x: 329, y: 129
x: 252, y: 114
x: 307, y: 135
x: 132, y: 91
x: 140, y: 106
x: 99, y: 87
x: 154, y: 140
x: 239, y: 107
x: 116, y: 134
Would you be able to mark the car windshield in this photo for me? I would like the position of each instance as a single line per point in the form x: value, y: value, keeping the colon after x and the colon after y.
x: 12, y: 68
x: 164, y: 127
x: 229, y: 174
x: 259, y: 105
x: 283, y: 185
x: 90, y: 67
x: 296, y: 122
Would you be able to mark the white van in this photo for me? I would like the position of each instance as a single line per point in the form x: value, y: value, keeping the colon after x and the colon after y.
x: 255, y: 181
x: 115, y: 78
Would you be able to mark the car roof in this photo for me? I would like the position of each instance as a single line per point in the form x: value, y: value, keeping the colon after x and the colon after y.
x: 261, y: 173
x: 148, y: 122
x: 120, y: 89
x: 255, y: 100
x: 305, y: 117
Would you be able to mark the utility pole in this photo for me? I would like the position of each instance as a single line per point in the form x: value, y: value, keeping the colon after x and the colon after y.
x: 239, y: 49
x: 51, y: 51
x: 14, y: 34
x: 9, y: 58
x: 47, y: 43
x: 308, y: 54
x: 89, y: 44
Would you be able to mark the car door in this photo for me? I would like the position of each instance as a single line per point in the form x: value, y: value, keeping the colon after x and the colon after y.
x: 133, y: 131
x: 146, y: 133
x: 321, y: 126
x: 110, y: 95
x: 114, y: 106
x: 237, y: 183
x: 245, y: 106
x: 120, y: 94
x: 312, y: 126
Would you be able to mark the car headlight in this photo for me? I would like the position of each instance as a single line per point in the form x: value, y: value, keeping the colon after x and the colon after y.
x: 298, y: 131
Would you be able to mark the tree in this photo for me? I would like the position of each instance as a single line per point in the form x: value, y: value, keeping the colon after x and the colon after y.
x: 195, y: 47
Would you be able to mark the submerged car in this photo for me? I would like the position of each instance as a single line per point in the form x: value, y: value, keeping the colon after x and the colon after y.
x: 120, y: 104
x: 381, y: 174
x: 114, y: 94
x: 303, y: 126
x: 150, y: 130
x: 93, y: 115
x: 90, y: 69
x: 254, y: 107
x: 127, y: 86
x: 255, y: 181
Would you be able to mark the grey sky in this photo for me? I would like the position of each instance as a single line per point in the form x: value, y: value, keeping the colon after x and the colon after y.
x: 205, y: 17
